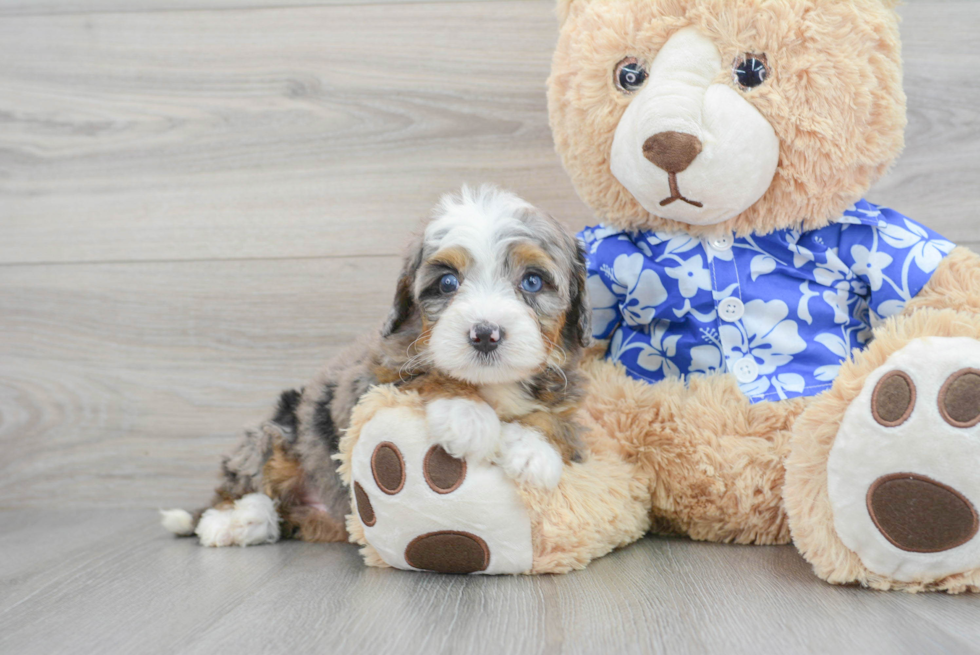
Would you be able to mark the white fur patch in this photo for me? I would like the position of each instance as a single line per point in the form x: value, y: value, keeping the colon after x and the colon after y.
x: 255, y: 520
x: 486, y: 504
x: 252, y: 521
x: 465, y: 428
x: 924, y: 444
x: 215, y: 528
x: 178, y: 521
x: 740, y: 149
x: 527, y: 457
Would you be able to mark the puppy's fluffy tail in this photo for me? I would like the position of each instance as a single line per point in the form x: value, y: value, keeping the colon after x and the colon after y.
x: 178, y: 521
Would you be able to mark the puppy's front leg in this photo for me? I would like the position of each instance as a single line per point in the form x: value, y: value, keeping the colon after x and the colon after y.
x: 526, y: 456
x: 464, y: 427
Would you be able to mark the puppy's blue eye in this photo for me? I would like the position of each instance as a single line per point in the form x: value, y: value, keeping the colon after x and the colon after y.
x: 449, y: 283
x: 532, y: 283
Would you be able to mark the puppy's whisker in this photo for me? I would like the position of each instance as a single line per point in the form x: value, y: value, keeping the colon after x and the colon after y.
x: 556, y: 348
x: 422, y: 357
x: 423, y: 335
x: 560, y: 372
x: 412, y: 364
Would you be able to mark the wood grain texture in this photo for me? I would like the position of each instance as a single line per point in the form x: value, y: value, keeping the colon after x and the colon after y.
x: 123, y: 383
x: 329, y: 131
x: 51, y: 7
x: 320, y: 131
x: 105, y: 582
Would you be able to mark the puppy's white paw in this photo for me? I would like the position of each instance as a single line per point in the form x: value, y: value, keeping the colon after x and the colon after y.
x: 252, y: 521
x: 255, y: 520
x: 527, y: 457
x: 464, y: 427
x: 214, y: 528
x: 178, y: 521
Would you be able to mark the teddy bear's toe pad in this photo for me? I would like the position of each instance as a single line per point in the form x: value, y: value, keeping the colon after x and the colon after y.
x: 902, y: 471
x: 424, y: 509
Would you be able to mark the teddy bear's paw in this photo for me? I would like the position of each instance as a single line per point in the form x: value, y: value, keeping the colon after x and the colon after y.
x: 527, y: 457
x: 902, y: 473
x: 424, y: 509
x: 464, y: 427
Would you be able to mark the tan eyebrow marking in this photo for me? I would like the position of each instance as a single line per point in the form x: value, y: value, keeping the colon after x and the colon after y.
x: 525, y: 255
x: 454, y: 257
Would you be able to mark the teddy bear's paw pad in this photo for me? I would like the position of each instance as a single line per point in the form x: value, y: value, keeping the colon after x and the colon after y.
x: 959, y: 399
x: 901, y: 474
x: 364, y: 508
x: 388, y: 468
x: 424, y: 509
x: 443, y: 472
x: 904, y: 507
x: 448, y: 552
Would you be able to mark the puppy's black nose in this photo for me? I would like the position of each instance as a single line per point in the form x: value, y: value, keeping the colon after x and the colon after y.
x: 485, y: 337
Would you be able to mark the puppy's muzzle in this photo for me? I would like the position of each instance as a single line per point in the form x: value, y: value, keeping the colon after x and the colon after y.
x: 485, y: 337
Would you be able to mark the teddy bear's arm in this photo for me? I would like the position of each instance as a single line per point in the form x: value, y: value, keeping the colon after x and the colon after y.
x: 954, y: 285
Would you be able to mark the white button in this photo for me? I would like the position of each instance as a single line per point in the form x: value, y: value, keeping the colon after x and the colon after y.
x: 723, y: 242
x: 746, y: 370
x: 731, y: 309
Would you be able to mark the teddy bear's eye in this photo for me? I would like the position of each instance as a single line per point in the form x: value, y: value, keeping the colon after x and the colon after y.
x: 751, y: 71
x: 630, y: 75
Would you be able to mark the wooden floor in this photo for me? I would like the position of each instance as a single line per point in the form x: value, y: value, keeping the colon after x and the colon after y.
x: 201, y: 200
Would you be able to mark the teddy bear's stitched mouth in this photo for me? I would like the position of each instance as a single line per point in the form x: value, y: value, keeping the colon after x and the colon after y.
x: 675, y: 194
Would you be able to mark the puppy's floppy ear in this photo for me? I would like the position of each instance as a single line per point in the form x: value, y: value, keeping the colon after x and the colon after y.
x: 404, y: 307
x: 578, y: 321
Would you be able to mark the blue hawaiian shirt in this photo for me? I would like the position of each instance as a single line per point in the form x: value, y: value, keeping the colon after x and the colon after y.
x: 780, y: 312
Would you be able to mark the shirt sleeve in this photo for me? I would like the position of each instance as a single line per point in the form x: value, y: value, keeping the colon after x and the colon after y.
x: 891, y: 255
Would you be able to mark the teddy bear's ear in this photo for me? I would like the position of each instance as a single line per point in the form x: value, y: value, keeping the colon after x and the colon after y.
x: 564, y: 6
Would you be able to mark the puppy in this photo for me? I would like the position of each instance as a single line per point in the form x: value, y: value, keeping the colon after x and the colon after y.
x: 489, y: 322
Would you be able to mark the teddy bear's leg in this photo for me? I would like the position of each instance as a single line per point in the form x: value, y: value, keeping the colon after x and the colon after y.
x: 882, y: 486
x: 712, y: 461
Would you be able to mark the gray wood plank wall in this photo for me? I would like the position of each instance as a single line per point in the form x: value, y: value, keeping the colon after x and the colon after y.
x: 201, y: 200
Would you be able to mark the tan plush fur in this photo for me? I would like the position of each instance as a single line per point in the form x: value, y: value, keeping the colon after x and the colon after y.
x: 835, y: 99
x: 599, y: 505
x: 711, y: 460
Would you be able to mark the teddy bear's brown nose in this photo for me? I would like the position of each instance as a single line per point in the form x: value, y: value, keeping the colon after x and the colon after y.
x: 672, y: 151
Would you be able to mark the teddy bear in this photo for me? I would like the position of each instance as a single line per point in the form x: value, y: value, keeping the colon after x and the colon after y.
x: 781, y: 360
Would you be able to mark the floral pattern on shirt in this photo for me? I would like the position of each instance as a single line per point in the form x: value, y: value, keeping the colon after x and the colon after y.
x: 781, y: 312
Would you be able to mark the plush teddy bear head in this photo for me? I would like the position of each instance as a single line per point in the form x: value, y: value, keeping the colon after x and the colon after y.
x: 745, y: 115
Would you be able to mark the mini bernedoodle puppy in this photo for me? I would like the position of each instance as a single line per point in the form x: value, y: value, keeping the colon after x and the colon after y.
x: 489, y: 322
